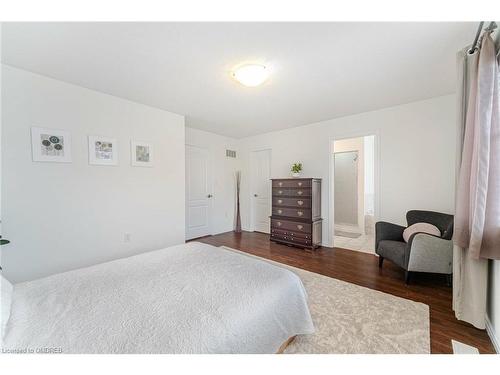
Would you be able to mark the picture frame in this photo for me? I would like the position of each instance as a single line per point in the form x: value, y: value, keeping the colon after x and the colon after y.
x: 102, y: 150
x: 141, y: 153
x: 50, y: 145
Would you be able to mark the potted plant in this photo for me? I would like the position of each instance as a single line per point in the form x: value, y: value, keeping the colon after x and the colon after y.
x: 3, y: 242
x: 296, y: 169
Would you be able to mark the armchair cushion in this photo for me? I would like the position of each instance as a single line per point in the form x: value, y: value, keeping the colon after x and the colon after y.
x: 421, y: 228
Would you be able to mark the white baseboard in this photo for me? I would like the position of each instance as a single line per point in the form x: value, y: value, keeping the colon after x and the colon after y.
x: 493, y: 335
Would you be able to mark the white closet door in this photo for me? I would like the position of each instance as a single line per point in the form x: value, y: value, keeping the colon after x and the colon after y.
x: 261, y: 190
x: 198, y: 192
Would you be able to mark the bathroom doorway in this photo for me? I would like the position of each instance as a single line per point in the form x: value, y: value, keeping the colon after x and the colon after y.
x: 354, y: 193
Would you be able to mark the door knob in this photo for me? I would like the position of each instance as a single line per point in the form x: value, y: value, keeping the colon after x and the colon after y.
x: 255, y: 195
x: 209, y: 196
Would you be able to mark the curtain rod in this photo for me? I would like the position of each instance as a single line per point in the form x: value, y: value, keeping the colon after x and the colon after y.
x: 492, y: 26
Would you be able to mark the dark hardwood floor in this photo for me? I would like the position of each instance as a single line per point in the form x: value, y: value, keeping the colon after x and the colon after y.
x: 362, y: 269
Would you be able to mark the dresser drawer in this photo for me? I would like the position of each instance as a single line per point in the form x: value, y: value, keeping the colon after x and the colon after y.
x: 291, y: 240
x: 292, y: 183
x: 277, y: 192
x: 292, y: 192
x: 292, y: 202
x: 291, y: 234
x: 291, y: 226
x: 300, y: 213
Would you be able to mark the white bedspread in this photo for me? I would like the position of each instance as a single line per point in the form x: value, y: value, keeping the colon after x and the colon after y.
x: 192, y: 298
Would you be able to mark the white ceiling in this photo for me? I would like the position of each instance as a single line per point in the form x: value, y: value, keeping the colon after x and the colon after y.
x: 319, y: 70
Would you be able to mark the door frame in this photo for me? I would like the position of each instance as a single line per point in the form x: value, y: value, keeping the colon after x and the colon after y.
x: 331, y: 176
x: 252, y: 205
x: 210, y: 187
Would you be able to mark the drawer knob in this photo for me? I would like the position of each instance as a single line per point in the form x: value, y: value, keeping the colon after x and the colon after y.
x: 280, y: 184
x: 280, y: 201
x: 280, y: 192
x: 280, y: 211
x: 300, y: 213
x: 300, y: 226
x: 299, y: 183
x: 299, y: 192
x: 300, y: 203
x: 279, y: 223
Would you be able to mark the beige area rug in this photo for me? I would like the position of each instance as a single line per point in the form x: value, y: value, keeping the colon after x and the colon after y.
x: 352, y: 319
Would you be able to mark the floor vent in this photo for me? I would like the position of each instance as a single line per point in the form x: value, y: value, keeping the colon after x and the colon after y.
x: 461, y: 348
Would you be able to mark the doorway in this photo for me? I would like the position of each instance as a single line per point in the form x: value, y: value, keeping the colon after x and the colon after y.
x: 346, y: 189
x: 260, y: 164
x: 198, y: 192
x: 354, y: 193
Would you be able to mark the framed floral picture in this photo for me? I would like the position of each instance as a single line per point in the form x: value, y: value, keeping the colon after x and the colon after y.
x: 52, y: 145
x: 103, y: 150
x: 142, y: 154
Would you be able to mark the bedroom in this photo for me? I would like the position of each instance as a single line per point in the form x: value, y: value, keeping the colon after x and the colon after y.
x: 176, y: 187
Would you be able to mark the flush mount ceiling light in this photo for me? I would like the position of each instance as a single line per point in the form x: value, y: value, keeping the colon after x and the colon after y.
x: 251, y: 75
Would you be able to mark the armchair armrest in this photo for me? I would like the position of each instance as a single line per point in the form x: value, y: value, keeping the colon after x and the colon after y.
x: 388, y: 231
x: 430, y: 253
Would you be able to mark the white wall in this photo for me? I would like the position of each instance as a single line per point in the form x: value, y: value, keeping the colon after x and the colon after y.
x: 494, y: 303
x: 223, y: 176
x: 63, y: 216
x: 417, y: 156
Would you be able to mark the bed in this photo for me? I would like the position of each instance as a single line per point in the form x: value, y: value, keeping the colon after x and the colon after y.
x: 191, y: 298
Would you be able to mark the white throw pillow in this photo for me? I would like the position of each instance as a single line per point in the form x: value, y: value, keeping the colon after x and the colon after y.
x: 420, y: 228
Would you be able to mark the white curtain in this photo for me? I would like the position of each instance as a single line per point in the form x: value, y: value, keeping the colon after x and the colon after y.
x: 477, y: 219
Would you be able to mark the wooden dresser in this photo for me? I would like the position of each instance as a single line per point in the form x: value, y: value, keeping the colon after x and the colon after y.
x: 296, y: 212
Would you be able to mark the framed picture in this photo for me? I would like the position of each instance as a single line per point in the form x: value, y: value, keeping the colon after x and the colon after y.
x: 103, y: 150
x: 51, y: 145
x: 142, y: 154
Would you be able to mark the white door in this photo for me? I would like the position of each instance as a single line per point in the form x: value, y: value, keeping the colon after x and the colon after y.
x: 261, y: 190
x: 198, y: 192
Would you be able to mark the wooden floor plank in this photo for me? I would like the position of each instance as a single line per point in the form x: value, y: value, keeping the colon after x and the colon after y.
x: 362, y: 269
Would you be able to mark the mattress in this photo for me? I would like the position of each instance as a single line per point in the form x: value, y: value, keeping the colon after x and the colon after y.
x: 191, y: 298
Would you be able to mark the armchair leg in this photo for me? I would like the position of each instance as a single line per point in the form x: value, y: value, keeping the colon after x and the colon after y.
x: 380, y: 261
x: 407, y: 277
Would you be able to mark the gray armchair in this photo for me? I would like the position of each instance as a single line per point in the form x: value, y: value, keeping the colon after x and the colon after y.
x: 423, y: 252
